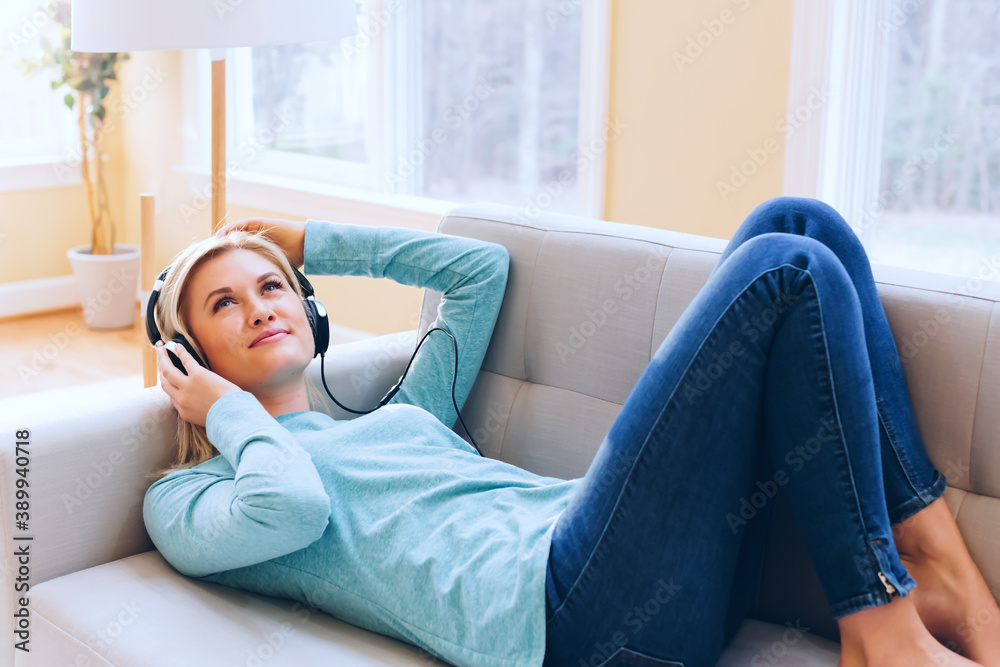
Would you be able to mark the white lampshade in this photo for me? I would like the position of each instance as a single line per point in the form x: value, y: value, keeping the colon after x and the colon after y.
x: 104, y: 26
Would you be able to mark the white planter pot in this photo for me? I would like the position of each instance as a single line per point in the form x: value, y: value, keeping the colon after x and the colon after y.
x: 108, y: 284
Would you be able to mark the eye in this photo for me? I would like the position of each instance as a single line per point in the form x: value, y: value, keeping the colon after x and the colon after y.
x: 277, y: 284
x: 219, y: 303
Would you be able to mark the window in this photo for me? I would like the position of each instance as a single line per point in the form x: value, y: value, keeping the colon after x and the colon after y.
x: 907, y: 147
x: 940, y: 158
x: 445, y: 99
x: 38, y: 129
x: 499, y: 100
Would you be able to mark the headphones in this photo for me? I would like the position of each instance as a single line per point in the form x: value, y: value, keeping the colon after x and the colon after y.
x: 320, y: 326
x: 315, y: 313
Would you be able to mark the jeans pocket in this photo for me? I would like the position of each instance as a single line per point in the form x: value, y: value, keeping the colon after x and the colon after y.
x: 624, y: 657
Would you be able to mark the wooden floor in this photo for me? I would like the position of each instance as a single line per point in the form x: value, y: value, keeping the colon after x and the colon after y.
x: 56, y: 350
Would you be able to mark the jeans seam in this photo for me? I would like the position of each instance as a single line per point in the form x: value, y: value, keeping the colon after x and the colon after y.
x: 644, y: 656
x: 853, y: 487
x: 833, y: 396
x: 893, y: 440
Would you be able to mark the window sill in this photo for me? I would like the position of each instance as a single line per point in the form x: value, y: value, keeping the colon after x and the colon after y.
x: 321, y: 201
x: 969, y: 286
x: 45, y: 172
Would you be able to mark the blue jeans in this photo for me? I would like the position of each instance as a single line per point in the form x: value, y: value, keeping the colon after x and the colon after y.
x: 782, y: 374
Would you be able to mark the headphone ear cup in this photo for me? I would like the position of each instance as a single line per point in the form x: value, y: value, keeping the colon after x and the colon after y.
x: 153, y: 333
x: 319, y: 323
x: 181, y: 340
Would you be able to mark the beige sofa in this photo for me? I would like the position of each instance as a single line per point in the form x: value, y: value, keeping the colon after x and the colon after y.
x: 567, y: 349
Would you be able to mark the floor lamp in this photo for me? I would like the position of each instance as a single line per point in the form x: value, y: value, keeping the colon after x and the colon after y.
x: 104, y: 26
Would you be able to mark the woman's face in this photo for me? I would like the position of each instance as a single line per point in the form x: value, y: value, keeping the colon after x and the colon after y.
x: 233, y: 299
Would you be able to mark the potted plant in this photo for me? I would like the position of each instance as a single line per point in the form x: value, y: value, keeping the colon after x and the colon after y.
x: 107, y: 272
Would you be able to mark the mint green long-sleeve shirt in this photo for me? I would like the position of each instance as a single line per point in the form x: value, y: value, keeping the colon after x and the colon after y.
x: 389, y: 521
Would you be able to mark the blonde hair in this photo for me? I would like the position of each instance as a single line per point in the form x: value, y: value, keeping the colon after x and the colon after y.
x: 193, y: 445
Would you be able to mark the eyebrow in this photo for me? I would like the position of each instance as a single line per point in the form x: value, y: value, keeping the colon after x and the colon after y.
x: 224, y: 290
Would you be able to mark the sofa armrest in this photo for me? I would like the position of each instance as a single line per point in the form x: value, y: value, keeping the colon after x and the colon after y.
x: 84, y: 467
x: 86, y: 463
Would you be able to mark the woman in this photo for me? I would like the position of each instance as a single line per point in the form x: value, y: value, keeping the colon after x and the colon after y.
x: 782, y: 368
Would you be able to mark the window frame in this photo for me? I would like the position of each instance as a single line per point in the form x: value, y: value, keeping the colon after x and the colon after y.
x: 396, y: 85
x: 835, y: 156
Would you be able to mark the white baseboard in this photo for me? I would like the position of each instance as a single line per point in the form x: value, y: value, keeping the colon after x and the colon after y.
x: 30, y: 296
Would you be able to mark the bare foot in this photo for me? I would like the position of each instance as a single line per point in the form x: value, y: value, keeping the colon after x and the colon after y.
x: 892, y: 635
x: 956, y: 606
x: 924, y: 654
x: 951, y: 596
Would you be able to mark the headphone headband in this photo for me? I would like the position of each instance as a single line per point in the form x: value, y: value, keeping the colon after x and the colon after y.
x: 152, y: 331
x: 304, y: 284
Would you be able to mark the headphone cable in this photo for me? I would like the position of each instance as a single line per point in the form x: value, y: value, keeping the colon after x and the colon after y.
x: 392, y: 392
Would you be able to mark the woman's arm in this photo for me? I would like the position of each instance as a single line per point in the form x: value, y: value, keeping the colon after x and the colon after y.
x: 203, y: 522
x: 470, y: 274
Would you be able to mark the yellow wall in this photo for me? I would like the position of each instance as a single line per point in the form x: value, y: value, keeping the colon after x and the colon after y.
x: 685, y: 130
x: 688, y: 124
x: 31, y: 220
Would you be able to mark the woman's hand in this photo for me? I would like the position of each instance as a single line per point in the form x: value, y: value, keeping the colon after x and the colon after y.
x: 192, y: 395
x: 288, y: 235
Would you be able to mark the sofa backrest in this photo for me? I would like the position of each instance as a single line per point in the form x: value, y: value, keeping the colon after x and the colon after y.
x: 589, y: 301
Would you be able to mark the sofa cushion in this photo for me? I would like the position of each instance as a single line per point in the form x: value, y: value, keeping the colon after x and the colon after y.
x: 140, y: 611
x: 791, y: 645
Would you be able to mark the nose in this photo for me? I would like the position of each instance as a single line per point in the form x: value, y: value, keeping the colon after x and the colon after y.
x: 261, y: 309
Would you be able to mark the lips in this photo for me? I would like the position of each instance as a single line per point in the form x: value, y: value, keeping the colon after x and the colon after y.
x: 268, y: 334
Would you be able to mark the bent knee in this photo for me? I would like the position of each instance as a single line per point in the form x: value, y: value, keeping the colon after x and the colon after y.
x: 773, y: 250
x: 804, y: 209
x: 779, y: 247
x: 798, y: 205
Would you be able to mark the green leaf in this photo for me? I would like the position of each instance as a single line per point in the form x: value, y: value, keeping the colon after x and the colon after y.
x: 68, y: 100
x: 99, y: 112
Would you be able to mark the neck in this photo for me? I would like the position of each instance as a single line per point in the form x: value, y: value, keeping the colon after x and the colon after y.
x: 283, y: 400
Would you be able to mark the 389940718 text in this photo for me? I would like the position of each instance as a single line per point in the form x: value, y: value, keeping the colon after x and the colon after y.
x: 22, y: 541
